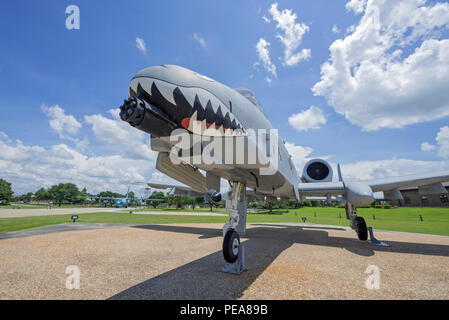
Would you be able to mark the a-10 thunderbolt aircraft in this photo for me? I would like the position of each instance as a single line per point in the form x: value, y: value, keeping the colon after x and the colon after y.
x: 170, y: 102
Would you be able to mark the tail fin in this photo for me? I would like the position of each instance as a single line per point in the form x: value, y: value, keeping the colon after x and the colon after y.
x: 127, y: 193
x: 340, y: 176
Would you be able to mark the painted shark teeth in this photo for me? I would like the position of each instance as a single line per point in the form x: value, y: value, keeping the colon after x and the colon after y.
x: 194, y: 108
x: 166, y: 90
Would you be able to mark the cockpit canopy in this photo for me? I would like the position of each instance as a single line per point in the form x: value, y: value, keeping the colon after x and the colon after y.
x: 251, y: 97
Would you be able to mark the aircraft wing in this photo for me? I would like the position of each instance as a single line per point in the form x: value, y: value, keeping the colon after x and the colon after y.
x: 361, y: 192
x: 321, y: 188
x: 408, y: 181
x: 169, y: 186
x: 177, y: 189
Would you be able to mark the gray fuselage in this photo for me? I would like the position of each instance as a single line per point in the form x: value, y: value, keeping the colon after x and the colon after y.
x: 179, y: 94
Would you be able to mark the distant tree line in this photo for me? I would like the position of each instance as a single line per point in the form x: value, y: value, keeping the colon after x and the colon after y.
x: 60, y: 193
x: 179, y: 201
x: 69, y: 192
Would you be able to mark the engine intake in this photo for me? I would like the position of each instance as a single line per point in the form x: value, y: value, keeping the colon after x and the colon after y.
x: 317, y: 170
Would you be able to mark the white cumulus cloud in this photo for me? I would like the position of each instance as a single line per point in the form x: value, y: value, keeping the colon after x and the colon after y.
x: 300, y: 155
x: 392, y: 70
x: 292, y: 34
x: 29, y: 168
x: 335, y: 29
x: 61, y: 122
x: 358, y: 6
x: 427, y: 147
x: 140, y: 44
x: 264, y: 56
x: 312, y: 118
x: 120, y: 136
x: 367, y: 170
x: 200, y: 40
x: 443, y: 142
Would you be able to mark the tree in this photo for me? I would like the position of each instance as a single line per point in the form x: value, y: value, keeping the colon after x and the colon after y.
x: 131, y: 194
x: 199, y: 201
x: 158, y: 195
x: 179, y: 201
x: 110, y: 194
x: 42, y: 195
x: 211, y: 204
x: 27, y: 197
x: 5, y: 191
x: 155, y: 196
x: 64, y: 191
x: 83, y: 192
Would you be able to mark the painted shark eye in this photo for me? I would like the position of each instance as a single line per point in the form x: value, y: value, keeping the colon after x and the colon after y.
x: 204, y: 77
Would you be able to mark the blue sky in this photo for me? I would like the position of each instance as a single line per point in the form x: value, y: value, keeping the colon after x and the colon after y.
x: 86, y: 72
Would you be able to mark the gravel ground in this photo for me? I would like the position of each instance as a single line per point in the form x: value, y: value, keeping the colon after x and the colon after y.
x: 182, y: 262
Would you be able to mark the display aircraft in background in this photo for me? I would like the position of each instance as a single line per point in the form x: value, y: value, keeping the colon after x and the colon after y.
x: 118, y: 202
x: 164, y: 99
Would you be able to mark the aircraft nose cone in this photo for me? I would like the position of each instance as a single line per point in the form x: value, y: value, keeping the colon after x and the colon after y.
x: 170, y: 73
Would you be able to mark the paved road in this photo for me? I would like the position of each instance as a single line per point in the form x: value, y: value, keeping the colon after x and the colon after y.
x: 16, y: 213
x: 64, y: 227
x: 182, y: 261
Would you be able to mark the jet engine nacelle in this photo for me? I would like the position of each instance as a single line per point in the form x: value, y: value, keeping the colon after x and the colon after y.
x: 359, y: 194
x: 317, y: 170
x: 216, y: 197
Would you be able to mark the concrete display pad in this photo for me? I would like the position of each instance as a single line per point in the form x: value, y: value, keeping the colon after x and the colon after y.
x: 183, y: 261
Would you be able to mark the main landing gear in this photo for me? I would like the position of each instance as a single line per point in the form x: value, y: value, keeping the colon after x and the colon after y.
x: 358, y: 224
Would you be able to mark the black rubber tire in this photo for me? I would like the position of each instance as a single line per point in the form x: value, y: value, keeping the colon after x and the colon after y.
x: 361, y: 229
x: 228, y: 241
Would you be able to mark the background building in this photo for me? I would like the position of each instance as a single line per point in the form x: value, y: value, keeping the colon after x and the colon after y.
x: 412, y: 198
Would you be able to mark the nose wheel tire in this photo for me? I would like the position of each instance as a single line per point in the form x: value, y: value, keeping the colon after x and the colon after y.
x: 361, y: 229
x: 231, y: 244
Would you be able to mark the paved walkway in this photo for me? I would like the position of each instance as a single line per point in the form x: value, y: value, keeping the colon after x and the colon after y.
x: 16, y: 213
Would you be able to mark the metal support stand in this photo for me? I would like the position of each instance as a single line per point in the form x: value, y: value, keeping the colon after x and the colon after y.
x: 373, y: 241
x: 239, y: 266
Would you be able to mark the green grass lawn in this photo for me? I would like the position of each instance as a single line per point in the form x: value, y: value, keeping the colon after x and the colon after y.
x: 436, y: 220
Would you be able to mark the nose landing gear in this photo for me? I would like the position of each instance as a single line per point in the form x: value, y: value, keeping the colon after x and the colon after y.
x: 231, y: 243
x: 233, y: 250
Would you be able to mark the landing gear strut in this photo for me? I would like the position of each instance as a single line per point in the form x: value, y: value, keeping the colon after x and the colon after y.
x: 236, y: 207
x: 358, y: 224
x: 233, y: 250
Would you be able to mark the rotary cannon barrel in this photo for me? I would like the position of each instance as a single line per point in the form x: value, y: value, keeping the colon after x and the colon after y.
x: 146, y: 117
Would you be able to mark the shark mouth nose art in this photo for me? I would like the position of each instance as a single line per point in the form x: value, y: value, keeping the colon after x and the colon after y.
x: 194, y: 109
